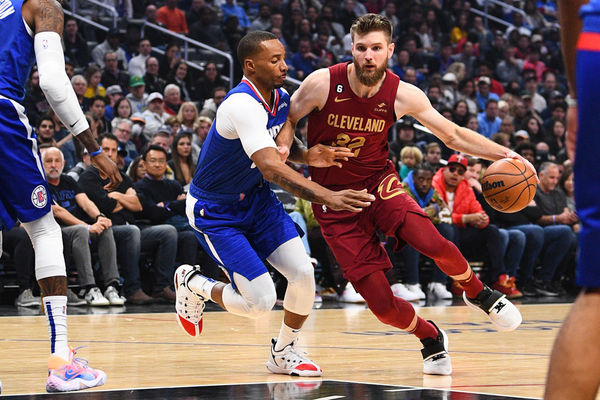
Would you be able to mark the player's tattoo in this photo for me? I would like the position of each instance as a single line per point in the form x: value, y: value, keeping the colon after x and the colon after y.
x: 296, y: 189
x: 51, y: 17
x: 53, y: 286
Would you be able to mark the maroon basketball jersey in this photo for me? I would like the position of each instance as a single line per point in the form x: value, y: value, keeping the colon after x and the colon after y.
x: 360, y: 124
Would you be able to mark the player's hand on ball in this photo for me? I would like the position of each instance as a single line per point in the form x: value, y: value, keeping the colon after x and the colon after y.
x: 109, y: 169
x: 512, y: 154
x: 350, y: 200
x: 323, y: 156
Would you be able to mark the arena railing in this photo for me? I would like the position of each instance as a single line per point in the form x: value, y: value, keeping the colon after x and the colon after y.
x: 109, y: 8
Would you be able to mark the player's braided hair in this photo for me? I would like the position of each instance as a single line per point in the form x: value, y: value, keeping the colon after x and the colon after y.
x: 250, y: 44
x: 370, y: 23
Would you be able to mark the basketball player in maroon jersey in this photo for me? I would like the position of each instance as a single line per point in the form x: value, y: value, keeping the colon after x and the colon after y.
x: 354, y: 105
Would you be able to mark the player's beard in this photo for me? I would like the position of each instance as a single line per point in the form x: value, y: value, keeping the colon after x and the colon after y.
x: 370, y: 78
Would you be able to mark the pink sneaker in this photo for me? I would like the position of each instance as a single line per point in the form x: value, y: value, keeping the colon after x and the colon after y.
x: 75, y: 374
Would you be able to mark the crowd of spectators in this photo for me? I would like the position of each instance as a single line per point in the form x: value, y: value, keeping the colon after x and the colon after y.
x: 152, y: 112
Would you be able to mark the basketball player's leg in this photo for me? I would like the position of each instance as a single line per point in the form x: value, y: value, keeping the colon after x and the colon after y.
x: 574, y: 372
x: 25, y: 197
x: 420, y: 233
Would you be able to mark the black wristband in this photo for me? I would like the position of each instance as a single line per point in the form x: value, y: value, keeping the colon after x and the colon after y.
x: 100, y: 215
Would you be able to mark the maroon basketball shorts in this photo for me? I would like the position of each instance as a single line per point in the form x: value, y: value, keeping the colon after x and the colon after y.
x: 353, y: 236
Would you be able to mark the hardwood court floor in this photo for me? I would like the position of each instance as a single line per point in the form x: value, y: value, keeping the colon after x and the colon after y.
x: 150, y: 350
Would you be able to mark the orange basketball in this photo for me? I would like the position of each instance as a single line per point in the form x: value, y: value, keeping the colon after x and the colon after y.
x: 508, y: 185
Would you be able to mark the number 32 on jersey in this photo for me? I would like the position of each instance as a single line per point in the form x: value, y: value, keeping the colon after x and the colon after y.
x: 354, y: 144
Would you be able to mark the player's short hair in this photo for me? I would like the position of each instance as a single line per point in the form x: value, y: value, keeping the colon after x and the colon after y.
x: 250, y: 44
x: 371, y: 23
x: 156, y: 148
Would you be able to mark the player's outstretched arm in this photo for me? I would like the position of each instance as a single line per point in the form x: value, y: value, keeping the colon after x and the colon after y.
x: 47, y: 19
x: 412, y: 101
x: 274, y: 170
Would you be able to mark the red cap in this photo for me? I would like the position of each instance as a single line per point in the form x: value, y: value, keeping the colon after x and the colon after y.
x: 458, y: 159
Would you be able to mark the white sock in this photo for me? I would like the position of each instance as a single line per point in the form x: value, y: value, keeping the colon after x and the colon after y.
x: 55, y: 308
x: 201, y: 285
x: 286, y: 336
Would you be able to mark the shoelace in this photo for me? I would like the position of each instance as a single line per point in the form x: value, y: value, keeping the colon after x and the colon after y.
x: 300, y: 355
x: 81, y: 362
x: 191, y: 306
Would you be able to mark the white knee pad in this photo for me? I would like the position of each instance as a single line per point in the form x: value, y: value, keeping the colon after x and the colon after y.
x: 291, y: 260
x: 253, y: 299
x: 46, y: 238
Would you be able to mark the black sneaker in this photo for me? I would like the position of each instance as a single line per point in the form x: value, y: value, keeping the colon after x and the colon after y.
x: 436, y: 360
x: 545, y: 289
x: 527, y: 288
x: 558, y: 288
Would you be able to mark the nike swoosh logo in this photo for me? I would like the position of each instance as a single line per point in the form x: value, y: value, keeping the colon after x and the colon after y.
x: 73, y: 124
x: 71, y: 373
x: 340, y: 100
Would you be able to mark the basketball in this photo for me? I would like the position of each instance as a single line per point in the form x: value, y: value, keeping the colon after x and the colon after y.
x: 508, y: 185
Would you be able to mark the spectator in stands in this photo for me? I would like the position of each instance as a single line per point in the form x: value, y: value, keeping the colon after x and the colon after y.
x: 154, y: 115
x: 81, y: 220
x: 460, y: 30
x: 208, y: 30
x: 137, y: 96
x: 159, y: 240
x: 98, y: 108
x: 137, y: 169
x: 304, y: 60
x: 169, y: 59
x: 174, y: 126
x: 137, y: 64
x: 460, y: 112
x: 489, y: 122
x: 35, y: 102
x: 188, y: 116
x: 473, y: 224
x: 113, y: 75
x: 122, y: 112
x: 263, y: 20
x: 164, y: 203
x: 148, y: 32
x: 75, y: 44
x: 539, y: 103
x: 45, y: 131
x: 164, y: 139
x: 410, y: 156
x: 557, y: 220
x: 16, y: 242
x: 468, y: 58
x: 418, y: 185
x: 123, y: 134
x: 556, y: 140
x: 112, y: 43
x: 549, y: 85
x: 484, y: 94
x: 113, y: 94
x: 210, y: 105
x: 181, y: 159
x: 510, y: 67
x: 433, y: 155
x: 194, y: 13
x: 94, y: 87
x: 534, y: 129
x: 566, y: 184
x: 467, y: 92
x: 154, y: 83
x: 533, y: 62
x: 179, y: 76
x: 229, y: 8
x: 210, y: 80
x: 172, y: 17
x: 172, y: 99
x: 405, y: 137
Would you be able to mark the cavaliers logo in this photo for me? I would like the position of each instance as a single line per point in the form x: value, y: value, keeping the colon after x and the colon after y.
x: 390, y: 187
x: 39, y: 197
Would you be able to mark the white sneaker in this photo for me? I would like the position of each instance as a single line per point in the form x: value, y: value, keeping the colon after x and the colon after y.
x: 416, y: 289
x: 503, y: 314
x: 74, y: 300
x: 350, y: 295
x: 94, y: 297
x: 188, y: 304
x: 438, y: 290
x: 318, y: 298
x: 27, y: 299
x: 436, y: 360
x: 401, y: 291
x: 113, y: 297
x: 289, y: 361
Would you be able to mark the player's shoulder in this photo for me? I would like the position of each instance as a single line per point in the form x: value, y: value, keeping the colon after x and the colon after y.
x: 239, y: 100
x: 320, y: 77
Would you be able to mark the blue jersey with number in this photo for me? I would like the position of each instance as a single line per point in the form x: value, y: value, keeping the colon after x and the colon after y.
x: 224, y: 169
x: 16, y: 50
